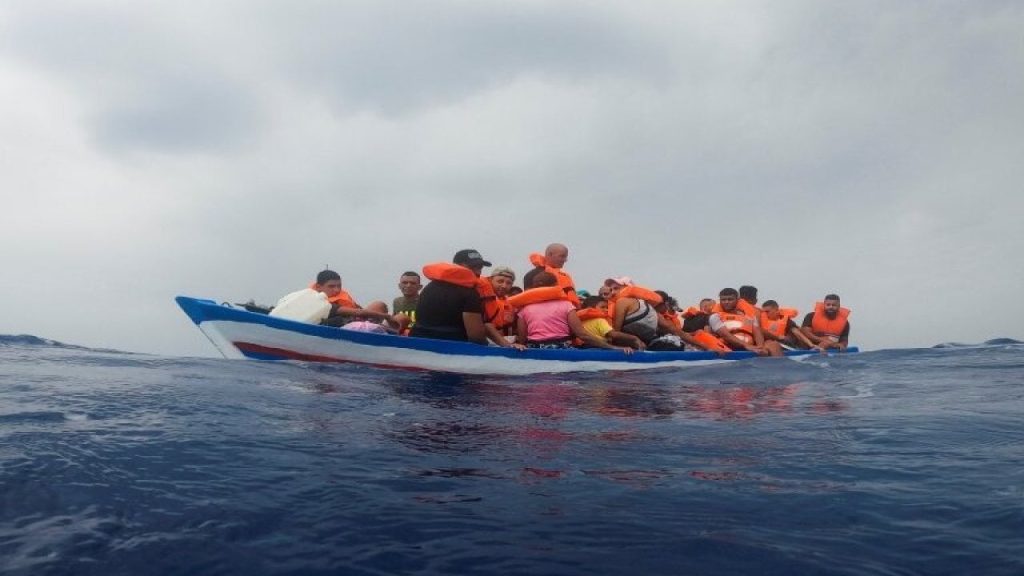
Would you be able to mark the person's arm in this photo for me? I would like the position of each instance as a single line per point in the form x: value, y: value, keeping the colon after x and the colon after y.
x: 620, y: 313
x: 624, y: 339
x: 797, y: 333
x: 521, y: 330
x: 577, y: 329
x: 727, y: 336
x: 474, y: 324
x: 666, y: 326
x: 844, y: 338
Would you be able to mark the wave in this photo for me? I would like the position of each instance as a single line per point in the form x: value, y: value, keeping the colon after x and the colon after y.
x: 992, y: 342
x: 28, y: 340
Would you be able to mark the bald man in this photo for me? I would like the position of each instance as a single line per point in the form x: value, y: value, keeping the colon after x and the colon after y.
x: 555, y: 256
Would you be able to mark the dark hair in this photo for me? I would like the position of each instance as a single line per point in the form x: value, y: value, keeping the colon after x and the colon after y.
x: 515, y: 290
x: 667, y: 300
x: 592, y: 301
x: 832, y: 297
x: 326, y: 276
x: 768, y: 303
x: 544, y: 279
x: 748, y: 292
x: 728, y: 292
x: 410, y: 273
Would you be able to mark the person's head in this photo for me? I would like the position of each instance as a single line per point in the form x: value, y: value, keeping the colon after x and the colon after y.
x: 502, y: 279
x: 409, y: 284
x: 595, y: 302
x: 328, y: 282
x: 668, y: 303
x: 544, y: 279
x: 771, y: 309
x: 471, y: 259
x: 749, y: 293
x: 831, y: 305
x: 727, y: 298
x: 556, y: 255
x: 515, y: 290
x: 377, y: 306
x: 616, y: 284
x: 707, y: 305
x: 604, y: 291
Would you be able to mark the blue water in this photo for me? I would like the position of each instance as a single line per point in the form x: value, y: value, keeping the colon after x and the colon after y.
x: 890, y: 462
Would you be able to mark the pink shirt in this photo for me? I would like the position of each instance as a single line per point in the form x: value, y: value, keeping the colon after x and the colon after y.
x: 547, y: 320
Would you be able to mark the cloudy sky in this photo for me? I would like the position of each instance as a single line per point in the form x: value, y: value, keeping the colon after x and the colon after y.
x: 231, y: 149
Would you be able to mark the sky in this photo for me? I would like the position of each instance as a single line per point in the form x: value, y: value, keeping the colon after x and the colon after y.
x: 231, y: 149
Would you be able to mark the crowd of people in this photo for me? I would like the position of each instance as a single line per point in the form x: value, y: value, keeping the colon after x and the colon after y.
x: 459, y: 302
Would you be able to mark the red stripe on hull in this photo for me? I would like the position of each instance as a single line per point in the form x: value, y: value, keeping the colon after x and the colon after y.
x: 293, y: 355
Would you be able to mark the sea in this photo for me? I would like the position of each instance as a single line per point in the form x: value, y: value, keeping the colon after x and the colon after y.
x: 884, y: 462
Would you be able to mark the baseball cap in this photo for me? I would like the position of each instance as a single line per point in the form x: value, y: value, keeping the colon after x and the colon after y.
x: 469, y: 257
x: 620, y: 280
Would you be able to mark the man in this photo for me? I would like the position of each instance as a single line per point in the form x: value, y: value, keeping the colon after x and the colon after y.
x: 449, y: 306
x: 778, y: 325
x: 738, y: 328
x: 410, y: 286
x: 501, y: 315
x: 554, y: 258
x: 748, y: 300
x: 828, y: 327
x: 343, y: 307
x: 695, y: 319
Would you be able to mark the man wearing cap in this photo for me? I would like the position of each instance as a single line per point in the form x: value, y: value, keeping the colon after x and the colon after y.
x: 449, y: 307
x: 555, y: 256
x: 501, y: 315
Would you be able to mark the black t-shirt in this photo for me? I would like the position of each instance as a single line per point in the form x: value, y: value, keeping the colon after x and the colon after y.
x: 845, y: 336
x: 439, y: 311
x: 695, y: 322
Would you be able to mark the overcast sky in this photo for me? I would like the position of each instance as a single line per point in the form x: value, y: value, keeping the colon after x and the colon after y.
x: 230, y: 150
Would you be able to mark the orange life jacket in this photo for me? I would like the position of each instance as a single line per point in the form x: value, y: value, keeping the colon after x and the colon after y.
x: 590, y: 314
x: 740, y: 325
x: 342, y: 299
x: 534, y: 295
x: 742, y: 305
x: 778, y: 326
x: 451, y: 273
x: 821, y: 325
x: 709, y: 341
x: 692, y: 311
x: 564, y: 279
x: 673, y: 318
x: 638, y: 292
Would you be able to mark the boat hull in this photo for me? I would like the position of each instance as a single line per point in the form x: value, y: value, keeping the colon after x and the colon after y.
x: 238, y: 333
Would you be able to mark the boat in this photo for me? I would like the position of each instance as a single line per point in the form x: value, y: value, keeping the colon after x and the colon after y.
x: 239, y: 333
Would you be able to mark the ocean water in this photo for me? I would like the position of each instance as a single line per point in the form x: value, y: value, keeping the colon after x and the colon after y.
x: 888, y: 462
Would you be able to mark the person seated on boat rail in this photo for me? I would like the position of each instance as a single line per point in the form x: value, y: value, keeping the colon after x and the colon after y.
x: 449, y: 307
x: 738, y: 328
x: 777, y: 324
x: 343, y: 307
x: 547, y: 318
x: 828, y: 327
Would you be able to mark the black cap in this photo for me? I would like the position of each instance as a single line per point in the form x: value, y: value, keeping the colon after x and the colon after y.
x: 469, y: 257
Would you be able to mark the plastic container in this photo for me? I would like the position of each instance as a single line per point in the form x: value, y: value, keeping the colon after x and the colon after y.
x: 304, y: 306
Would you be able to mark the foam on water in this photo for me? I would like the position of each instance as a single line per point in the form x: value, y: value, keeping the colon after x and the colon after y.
x: 888, y: 462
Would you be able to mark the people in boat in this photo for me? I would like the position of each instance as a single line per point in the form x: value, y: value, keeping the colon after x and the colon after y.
x: 777, y: 324
x: 409, y: 284
x: 343, y: 307
x: 363, y: 323
x: 449, y: 306
x: 634, y: 311
x: 828, y: 326
x: 748, y: 294
x: 696, y: 317
x: 547, y: 318
x: 594, y: 316
x: 738, y: 328
x: 554, y: 258
x: 503, y: 315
